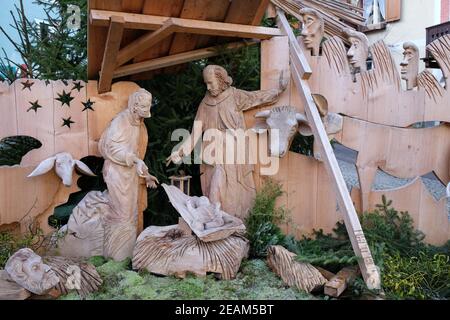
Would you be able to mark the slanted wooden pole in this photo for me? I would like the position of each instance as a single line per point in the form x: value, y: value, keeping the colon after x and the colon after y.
x: 145, y: 42
x: 369, y: 271
x: 178, y: 58
x: 116, y: 26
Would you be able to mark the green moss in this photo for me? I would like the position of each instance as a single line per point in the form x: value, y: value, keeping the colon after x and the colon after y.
x: 97, y: 261
x: 255, y: 282
x: 112, y: 268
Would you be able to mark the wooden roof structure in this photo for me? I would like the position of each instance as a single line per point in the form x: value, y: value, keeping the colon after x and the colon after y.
x: 135, y: 37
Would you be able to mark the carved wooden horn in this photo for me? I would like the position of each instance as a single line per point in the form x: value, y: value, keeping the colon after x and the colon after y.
x: 321, y: 103
x: 263, y: 114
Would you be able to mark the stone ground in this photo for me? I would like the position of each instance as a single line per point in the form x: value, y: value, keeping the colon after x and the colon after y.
x: 383, y: 181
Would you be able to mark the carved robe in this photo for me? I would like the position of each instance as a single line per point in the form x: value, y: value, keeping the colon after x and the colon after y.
x: 119, y: 144
x: 230, y: 184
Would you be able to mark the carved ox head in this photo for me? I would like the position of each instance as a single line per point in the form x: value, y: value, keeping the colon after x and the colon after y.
x: 287, y: 121
x: 64, y: 165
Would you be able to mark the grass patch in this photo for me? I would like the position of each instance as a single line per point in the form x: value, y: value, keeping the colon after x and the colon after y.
x: 254, y: 282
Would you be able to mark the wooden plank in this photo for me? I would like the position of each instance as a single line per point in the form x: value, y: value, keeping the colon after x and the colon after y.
x: 148, y: 22
x: 171, y: 8
x: 145, y: 42
x: 297, y: 55
x: 429, y: 215
x: 192, y: 9
x: 175, y: 59
x: 357, y: 238
x: 73, y: 139
x: 37, y: 124
x: 112, y: 46
x: 8, y: 119
x: 97, y: 36
x: 271, y: 70
x: 38, y: 197
x: 337, y: 285
x: 393, y: 10
x: 246, y: 11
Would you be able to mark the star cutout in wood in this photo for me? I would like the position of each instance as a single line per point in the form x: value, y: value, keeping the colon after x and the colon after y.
x: 78, y: 86
x: 34, y: 106
x: 65, y: 98
x: 88, y: 105
x: 27, y: 84
x: 67, y: 122
x: 65, y: 82
x: 47, y: 82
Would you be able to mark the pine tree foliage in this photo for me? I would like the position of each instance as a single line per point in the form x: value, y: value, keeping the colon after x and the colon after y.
x: 54, y: 49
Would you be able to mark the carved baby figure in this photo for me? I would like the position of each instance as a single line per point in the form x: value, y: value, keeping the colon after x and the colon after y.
x: 205, y: 215
x: 27, y: 269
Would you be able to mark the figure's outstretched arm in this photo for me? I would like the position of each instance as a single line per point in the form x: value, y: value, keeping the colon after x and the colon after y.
x: 189, y: 145
x: 247, y: 100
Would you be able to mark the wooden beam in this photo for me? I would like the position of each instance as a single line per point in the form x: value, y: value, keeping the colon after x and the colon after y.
x: 336, y: 285
x: 259, y: 13
x: 147, y: 22
x: 177, y: 59
x: 112, y: 47
x: 297, y: 55
x: 145, y: 42
x: 358, y: 240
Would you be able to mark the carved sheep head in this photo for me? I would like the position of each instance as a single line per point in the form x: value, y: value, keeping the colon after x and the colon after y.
x: 64, y: 165
x: 287, y: 122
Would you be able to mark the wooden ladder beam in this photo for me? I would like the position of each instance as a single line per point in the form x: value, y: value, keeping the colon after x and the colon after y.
x: 113, y: 40
x: 148, y: 22
x: 358, y: 240
x: 297, y: 55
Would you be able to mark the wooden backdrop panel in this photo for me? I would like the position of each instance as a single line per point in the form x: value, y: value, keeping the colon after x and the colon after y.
x: 73, y: 139
x: 25, y: 200
x: 37, y: 124
x: 8, y: 115
x: 430, y: 216
x: 404, y: 152
x: 375, y: 95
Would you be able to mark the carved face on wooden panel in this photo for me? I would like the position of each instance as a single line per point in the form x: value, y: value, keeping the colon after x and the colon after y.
x: 359, y: 50
x: 312, y: 30
x: 27, y: 269
x: 410, y: 64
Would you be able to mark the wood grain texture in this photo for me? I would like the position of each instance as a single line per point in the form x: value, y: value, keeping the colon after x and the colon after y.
x: 429, y: 215
x: 376, y: 95
x: 110, y: 54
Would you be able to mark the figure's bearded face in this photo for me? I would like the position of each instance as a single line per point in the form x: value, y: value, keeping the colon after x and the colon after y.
x: 143, y: 110
x: 213, y: 84
x: 32, y: 274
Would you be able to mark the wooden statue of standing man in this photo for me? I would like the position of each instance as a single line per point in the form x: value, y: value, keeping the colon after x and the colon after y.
x: 222, y: 108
